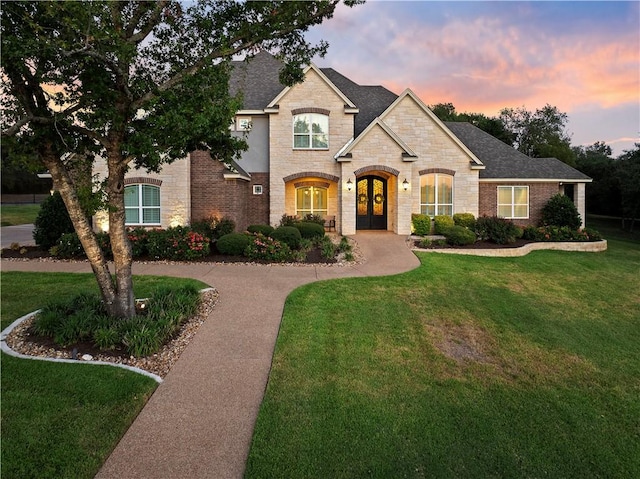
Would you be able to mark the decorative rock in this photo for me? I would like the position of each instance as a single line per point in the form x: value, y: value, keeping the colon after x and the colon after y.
x: 87, y: 357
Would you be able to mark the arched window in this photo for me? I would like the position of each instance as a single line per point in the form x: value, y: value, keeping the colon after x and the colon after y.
x: 142, y: 204
x: 436, y: 194
x: 311, y: 200
x: 311, y: 131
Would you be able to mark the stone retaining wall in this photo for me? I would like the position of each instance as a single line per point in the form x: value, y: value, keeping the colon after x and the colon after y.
x: 585, y: 247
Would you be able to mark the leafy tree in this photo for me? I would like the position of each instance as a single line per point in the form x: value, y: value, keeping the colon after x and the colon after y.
x: 494, y: 126
x: 137, y: 83
x: 603, y: 194
x: 540, y: 134
x: 628, y: 173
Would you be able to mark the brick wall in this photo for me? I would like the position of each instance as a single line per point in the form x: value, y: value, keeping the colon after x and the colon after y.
x: 213, y: 195
x: 539, y: 194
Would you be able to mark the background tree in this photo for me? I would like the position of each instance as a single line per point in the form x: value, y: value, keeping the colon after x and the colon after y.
x: 492, y: 125
x: 628, y: 173
x: 603, y: 194
x: 540, y: 134
x: 139, y: 84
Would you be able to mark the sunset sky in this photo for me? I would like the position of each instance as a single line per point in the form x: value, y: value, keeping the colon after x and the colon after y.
x: 582, y: 57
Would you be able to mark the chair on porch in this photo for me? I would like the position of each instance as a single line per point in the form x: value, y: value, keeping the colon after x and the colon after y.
x: 330, y: 222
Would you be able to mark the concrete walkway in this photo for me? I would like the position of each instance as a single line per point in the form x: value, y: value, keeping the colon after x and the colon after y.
x: 21, y: 234
x: 200, y: 420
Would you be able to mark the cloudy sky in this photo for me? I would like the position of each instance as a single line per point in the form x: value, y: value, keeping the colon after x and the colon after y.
x: 582, y: 57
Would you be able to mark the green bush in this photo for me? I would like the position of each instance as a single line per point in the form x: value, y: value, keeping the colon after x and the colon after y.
x: 465, y: 219
x: 68, y: 247
x: 214, y: 228
x: 561, y: 211
x: 233, y: 244
x: 179, y: 243
x: 52, y: 222
x: 560, y: 233
x: 421, y: 224
x: 264, y: 248
x: 327, y: 248
x: 497, y: 230
x: 262, y: 229
x: 288, y: 220
x: 318, y: 219
x: 310, y: 230
x: 289, y: 235
x: 139, y: 239
x: 441, y: 223
x: 459, y: 236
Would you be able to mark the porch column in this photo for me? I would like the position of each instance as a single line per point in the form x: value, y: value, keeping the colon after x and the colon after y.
x: 580, y: 200
x: 347, y: 200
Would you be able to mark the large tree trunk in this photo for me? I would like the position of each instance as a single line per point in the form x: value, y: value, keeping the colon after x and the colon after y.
x: 62, y: 182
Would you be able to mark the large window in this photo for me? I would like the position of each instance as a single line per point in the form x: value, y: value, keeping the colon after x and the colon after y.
x: 436, y: 194
x: 142, y: 205
x: 311, y: 200
x: 513, y: 202
x: 311, y: 131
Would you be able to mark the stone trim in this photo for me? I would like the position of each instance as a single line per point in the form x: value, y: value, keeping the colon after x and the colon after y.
x: 315, y: 184
x: 306, y: 174
x: 444, y: 171
x: 366, y: 169
x: 581, y: 246
x: 321, y: 111
x: 142, y: 180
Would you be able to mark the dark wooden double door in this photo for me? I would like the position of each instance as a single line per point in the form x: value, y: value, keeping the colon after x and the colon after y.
x: 371, y: 203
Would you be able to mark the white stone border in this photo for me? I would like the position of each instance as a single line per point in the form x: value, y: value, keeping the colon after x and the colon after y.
x: 581, y: 246
x: 5, y: 348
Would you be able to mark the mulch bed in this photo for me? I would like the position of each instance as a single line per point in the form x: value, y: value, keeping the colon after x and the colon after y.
x: 314, y: 256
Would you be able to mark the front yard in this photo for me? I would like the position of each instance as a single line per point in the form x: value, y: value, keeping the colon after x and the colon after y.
x: 465, y: 367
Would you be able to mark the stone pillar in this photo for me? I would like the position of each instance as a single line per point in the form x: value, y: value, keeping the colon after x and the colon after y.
x: 580, y: 200
x: 347, y: 200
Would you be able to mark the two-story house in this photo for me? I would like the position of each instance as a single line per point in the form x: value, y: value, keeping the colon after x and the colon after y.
x: 363, y: 154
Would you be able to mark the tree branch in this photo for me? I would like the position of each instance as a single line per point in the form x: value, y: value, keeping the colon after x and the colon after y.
x: 148, y: 26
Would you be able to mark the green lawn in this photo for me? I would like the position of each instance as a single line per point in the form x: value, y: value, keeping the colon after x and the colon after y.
x: 63, y: 420
x: 18, y: 214
x: 465, y: 367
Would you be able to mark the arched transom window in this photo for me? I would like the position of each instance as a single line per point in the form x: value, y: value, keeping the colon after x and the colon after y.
x: 311, y: 131
x: 311, y: 200
x: 142, y: 204
x: 436, y: 194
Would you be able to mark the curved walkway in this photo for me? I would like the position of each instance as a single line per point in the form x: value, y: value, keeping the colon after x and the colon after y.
x: 200, y: 420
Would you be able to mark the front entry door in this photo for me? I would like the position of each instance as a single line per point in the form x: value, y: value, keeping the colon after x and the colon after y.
x: 371, y: 203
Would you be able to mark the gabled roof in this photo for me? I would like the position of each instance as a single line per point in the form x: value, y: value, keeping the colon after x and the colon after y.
x: 505, y: 162
x: 476, y: 162
x: 407, y: 152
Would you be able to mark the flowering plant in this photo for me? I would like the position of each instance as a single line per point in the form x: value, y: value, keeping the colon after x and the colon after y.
x: 263, y: 247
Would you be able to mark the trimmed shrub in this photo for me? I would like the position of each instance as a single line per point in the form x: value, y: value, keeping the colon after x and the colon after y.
x: 68, y: 247
x: 289, y: 235
x: 459, y: 236
x: 310, y: 230
x: 560, y: 233
x: 421, y: 224
x: 288, y: 220
x: 179, y: 243
x: 233, y: 244
x: 497, y: 230
x: 52, y: 222
x: 268, y: 249
x: 561, y: 211
x: 441, y: 223
x: 318, y: 219
x: 262, y: 229
x: 139, y: 239
x: 465, y: 219
x: 213, y: 228
x: 223, y: 227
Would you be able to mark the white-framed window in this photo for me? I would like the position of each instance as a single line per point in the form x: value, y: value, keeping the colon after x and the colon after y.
x: 311, y: 131
x: 436, y: 194
x: 513, y: 202
x: 257, y: 189
x: 142, y: 204
x: 243, y: 123
x: 311, y: 200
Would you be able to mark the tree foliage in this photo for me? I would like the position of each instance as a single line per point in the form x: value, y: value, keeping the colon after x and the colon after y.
x: 603, y: 194
x: 492, y: 125
x: 540, y: 134
x: 628, y: 174
x: 139, y: 84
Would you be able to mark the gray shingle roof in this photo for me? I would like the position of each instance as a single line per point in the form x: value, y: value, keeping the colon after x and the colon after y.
x: 504, y: 161
x: 258, y: 80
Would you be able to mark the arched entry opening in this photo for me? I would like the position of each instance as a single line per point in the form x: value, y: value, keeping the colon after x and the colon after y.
x: 371, y: 203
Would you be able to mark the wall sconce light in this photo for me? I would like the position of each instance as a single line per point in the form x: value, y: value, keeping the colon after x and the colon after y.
x: 405, y: 185
x: 349, y: 184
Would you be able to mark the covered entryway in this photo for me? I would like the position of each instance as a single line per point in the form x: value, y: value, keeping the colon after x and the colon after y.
x: 371, y: 203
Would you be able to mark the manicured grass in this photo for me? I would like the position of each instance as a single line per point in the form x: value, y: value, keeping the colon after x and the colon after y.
x: 465, y: 367
x: 63, y: 420
x: 19, y: 214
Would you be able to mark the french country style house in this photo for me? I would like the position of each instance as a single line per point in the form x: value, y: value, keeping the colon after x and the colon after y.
x: 361, y: 154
